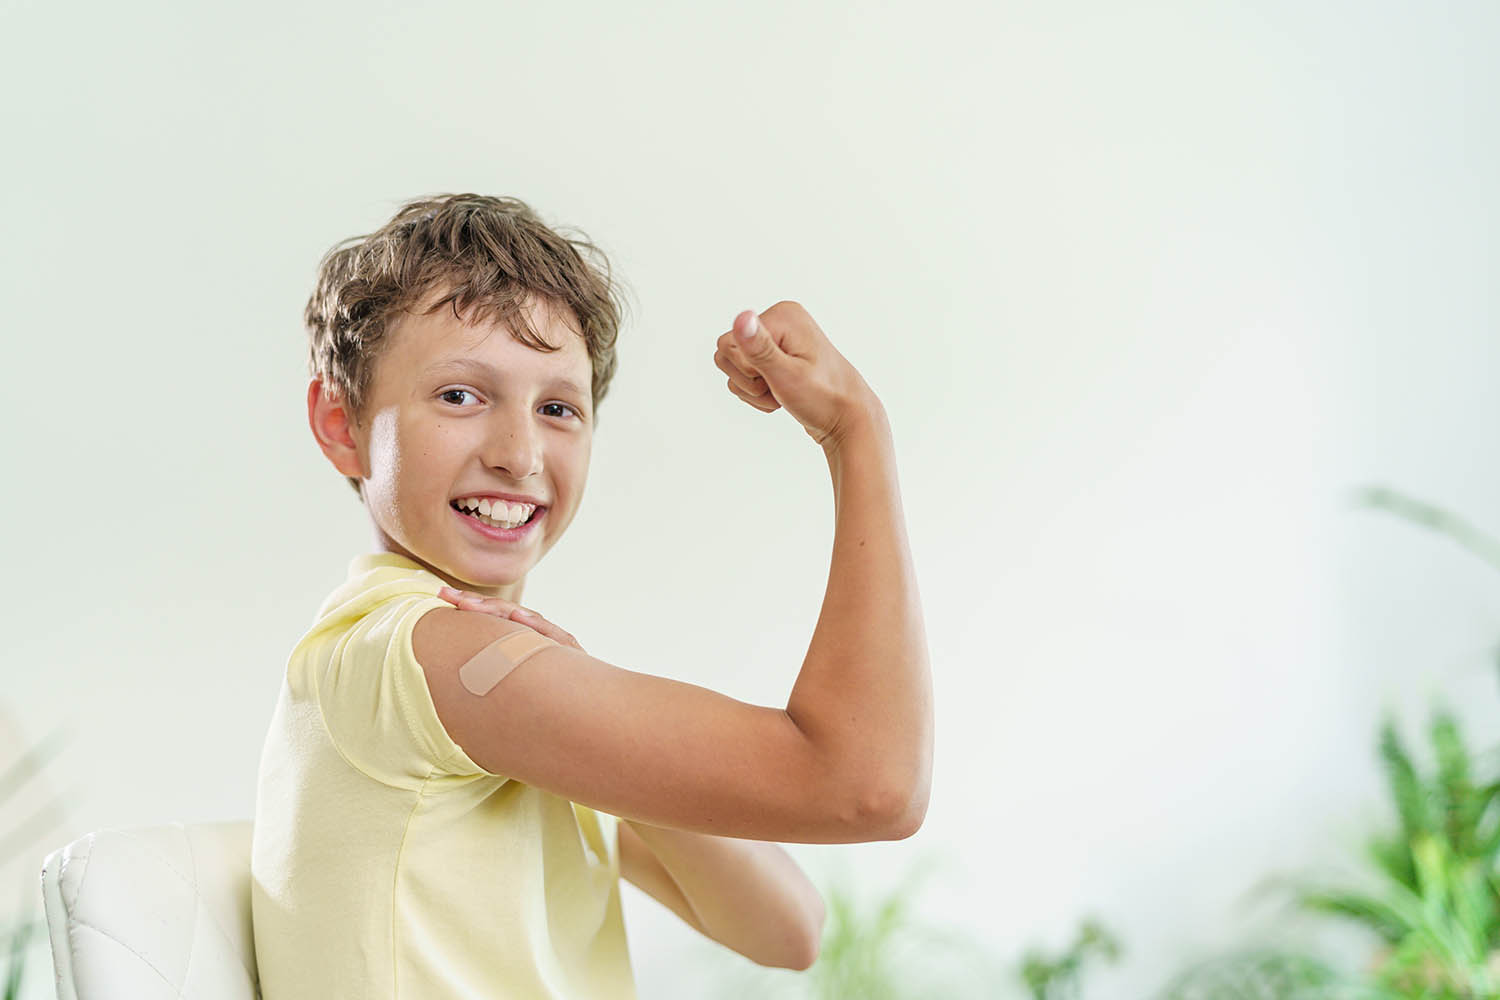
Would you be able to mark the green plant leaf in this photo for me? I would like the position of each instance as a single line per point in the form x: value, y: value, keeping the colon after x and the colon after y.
x: 1406, y: 789
x: 1255, y: 974
x: 1431, y: 516
x: 19, y: 937
x: 1455, y: 791
x: 1392, y: 858
x: 1391, y: 922
x: 1061, y: 977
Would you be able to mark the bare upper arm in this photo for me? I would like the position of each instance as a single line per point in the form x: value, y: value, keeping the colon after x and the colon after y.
x: 636, y: 745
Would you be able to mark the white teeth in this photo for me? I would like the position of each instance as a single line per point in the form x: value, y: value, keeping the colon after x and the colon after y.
x: 499, y: 509
x: 505, y: 515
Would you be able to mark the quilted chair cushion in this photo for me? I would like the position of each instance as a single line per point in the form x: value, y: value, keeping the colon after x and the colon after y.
x: 153, y: 913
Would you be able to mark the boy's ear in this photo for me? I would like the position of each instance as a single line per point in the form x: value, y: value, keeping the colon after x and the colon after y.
x: 330, y: 425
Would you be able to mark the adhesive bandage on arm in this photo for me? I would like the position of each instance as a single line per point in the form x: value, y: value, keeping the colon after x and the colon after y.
x: 489, y: 666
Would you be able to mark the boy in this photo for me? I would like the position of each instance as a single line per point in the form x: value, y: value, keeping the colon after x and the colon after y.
x: 451, y: 787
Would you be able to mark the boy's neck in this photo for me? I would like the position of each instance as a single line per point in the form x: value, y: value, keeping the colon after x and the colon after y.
x: 506, y: 592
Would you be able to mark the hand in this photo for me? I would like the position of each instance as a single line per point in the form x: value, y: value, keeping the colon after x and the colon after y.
x: 466, y: 601
x: 782, y: 358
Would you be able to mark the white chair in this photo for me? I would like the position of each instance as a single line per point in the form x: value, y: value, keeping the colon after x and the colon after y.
x: 153, y: 913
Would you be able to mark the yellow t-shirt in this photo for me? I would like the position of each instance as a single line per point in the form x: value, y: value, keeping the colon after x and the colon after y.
x: 387, y: 865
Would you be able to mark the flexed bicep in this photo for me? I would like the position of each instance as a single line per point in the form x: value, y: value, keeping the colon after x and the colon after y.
x: 636, y: 745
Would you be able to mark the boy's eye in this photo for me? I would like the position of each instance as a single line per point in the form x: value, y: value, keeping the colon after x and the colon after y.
x: 465, y: 392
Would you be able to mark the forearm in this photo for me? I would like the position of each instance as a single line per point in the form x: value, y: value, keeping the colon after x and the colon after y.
x: 864, y: 694
x: 748, y: 895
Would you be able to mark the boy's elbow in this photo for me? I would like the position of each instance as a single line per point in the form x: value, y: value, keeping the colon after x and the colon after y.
x: 875, y: 803
x: 894, y: 805
x: 909, y: 820
x: 810, y: 942
x: 895, y: 812
x: 801, y: 936
x: 809, y: 953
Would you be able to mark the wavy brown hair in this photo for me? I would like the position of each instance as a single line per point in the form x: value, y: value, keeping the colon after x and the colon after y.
x: 492, y: 255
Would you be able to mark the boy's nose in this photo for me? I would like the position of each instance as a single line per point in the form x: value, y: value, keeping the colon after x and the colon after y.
x: 515, y: 455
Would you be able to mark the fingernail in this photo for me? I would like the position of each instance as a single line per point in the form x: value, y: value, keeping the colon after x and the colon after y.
x: 523, y: 611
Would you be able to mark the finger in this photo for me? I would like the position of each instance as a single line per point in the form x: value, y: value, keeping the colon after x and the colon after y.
x: 507, y: 609
x: 765, y: 402
x: 734, y: 353
x: 478, y: 602
x: 749, y: 381
x: 551, y: 631
x: 453, y: 596
x: 754, y: 341
x: 561, y: 635
x: 461, y: 596
x: 734, y: 349
x: 511, y: 610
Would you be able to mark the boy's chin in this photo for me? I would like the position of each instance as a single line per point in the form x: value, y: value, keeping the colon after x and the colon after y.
x: 487, y: 571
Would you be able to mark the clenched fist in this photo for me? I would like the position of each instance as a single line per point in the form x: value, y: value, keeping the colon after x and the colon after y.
x: 782, y: 358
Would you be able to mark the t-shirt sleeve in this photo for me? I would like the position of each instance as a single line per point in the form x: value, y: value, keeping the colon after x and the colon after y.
x: 376, y: 704
x: 609, y: 826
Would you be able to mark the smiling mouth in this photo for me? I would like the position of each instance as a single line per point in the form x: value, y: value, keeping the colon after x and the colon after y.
x: 536, y: 512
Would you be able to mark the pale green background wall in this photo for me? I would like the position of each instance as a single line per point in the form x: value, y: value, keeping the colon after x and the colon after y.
x: 1146, y: 290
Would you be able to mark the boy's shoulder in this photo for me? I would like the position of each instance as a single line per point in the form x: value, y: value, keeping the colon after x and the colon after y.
x: 463, y: 656
x: 375, y: 579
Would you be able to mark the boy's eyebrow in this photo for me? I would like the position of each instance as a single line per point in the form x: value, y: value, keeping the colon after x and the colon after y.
x: 457, y: 365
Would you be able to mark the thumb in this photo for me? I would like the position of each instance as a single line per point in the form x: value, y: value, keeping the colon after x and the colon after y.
x: 754, y: 341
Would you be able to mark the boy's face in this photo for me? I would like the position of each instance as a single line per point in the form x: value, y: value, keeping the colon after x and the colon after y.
x: 455, y: 411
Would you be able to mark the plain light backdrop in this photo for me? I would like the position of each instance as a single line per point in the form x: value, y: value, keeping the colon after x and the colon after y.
x: 1147, y: 291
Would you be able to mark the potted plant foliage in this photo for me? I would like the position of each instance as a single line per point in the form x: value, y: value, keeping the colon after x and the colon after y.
x: 17, y: 937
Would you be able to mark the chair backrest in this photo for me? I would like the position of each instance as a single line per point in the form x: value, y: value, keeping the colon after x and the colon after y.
x: 153, y: 913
